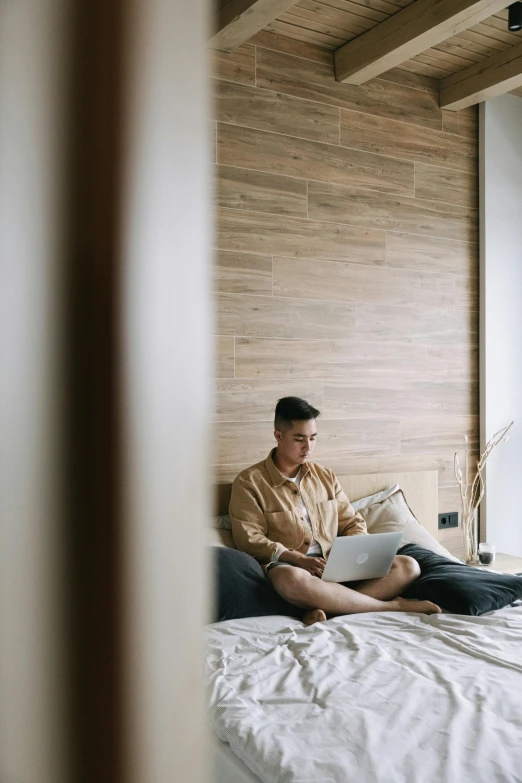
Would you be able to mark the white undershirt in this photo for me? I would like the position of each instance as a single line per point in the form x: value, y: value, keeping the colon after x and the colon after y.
x: 315, y: 546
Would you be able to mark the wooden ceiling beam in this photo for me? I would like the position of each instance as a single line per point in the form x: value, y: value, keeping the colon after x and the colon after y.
x: 235, y: 21
x: 407, y: 33
x: 491, y: 77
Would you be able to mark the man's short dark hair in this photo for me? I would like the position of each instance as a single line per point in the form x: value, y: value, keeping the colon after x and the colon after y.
x: 289, y: 409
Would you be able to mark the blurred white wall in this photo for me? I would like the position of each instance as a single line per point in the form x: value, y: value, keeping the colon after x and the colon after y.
x: 33, y: 77
x: 163, y: 367
x: 501, y: 315
x: 166, y: 311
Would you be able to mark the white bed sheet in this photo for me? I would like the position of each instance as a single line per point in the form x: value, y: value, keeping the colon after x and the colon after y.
x: 388, y: 697
x: 227, y: 767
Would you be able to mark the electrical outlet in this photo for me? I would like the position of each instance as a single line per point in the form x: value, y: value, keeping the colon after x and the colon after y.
x: 448, y: 520
x: 453, y: 519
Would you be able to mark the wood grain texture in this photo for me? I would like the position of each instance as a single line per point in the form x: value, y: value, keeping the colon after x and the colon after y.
x: 438, y: 433
x: 466, y: 293
x: 339, y: 204
x: 444, y: 184
x: 441, y: 462
x: 242, y: 442
x: 235, y: 21
x: 449, y: 501
x: 224, y: 357
x: 294, y: 157
x: 409, y: 251
x: 255, y: 399
x: 325, y: 19
x: 315, y: 81
x: 484, y: 80
x: 451, y: 539
x: 213, y: 141
x: 340, y: 10
x: 281, y: 43
x: 406, y: 34
x: 262, y: 316
x: 242, y: 273
x: 355, y: 359
x: 290, y: 30
x: 356, y: 283
x: 240, y: 188
x: 402, y: 399
x: 250, y: 442
x: 351, y: 438
x: 360, y: 300
x: 257, y: 233
x: 454, y: 362
x: 267, y: 110
x: 406, y: 141
x: 411, y: 79
x: 322, y: 27
x: 413, y: 324
x: 496, y: 28
x: 461, y: 123
x: 238, y: 66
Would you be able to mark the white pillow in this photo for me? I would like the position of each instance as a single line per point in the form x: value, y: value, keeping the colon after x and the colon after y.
x: 220, y: 537
x: 222, y: 522
x: 392, y: 514
x: 369, y: 499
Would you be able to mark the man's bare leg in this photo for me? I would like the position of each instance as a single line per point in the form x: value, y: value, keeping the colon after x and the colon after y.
x: 302, y: 589
x: 404, y: 571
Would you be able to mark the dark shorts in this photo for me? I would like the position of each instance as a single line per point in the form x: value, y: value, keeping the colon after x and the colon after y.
x: 352, y: 585
x: 278, y: 563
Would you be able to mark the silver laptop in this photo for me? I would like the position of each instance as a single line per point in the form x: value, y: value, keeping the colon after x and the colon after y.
x: 361, y: 557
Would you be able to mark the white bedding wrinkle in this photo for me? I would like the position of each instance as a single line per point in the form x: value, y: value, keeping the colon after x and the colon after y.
x: 371, y: 698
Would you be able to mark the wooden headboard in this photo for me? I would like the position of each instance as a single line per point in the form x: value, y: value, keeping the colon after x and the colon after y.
x: 420, y: 489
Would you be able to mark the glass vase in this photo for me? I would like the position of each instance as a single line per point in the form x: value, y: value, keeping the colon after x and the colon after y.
x: 470, y: 534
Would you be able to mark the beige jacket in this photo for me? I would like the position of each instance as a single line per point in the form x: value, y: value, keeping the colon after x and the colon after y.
x: 267, y: 515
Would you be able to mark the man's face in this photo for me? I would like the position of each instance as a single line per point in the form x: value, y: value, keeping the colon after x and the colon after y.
x: 297, y: 443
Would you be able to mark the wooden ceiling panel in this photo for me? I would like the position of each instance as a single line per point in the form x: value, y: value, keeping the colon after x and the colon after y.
x: 473, y: 45
x: 343, y: 17
x: 476, y: 42
x: 232, y: 22
x: 491, y: 77
x: 356, y: 16
x: 414, y: 66
x: 361, y: 10
x: 498, y: 30
x: 330, y: 24
x: 408, y: 34
x: 300, y: 33
x: 342, y: 24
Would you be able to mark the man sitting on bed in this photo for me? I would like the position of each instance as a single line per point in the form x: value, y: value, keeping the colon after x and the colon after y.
x: 287, y: 511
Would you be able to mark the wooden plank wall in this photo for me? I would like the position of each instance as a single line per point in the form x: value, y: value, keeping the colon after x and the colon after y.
x: 346, y: 263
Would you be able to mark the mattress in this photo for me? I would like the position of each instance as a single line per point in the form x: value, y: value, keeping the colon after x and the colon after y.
x: 381, y: 697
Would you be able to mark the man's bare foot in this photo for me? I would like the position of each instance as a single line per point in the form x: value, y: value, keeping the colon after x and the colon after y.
x: 313, y: 616
x: 409, y: 605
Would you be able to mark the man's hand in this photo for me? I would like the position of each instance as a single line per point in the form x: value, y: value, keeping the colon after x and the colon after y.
x: 314, y: 565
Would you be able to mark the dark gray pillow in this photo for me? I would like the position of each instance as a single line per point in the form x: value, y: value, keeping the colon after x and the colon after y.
x: 456, y: 587
x: 242, y: 589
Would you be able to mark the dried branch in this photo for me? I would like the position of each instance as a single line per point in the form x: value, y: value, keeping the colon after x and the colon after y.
x: 472, y: 494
